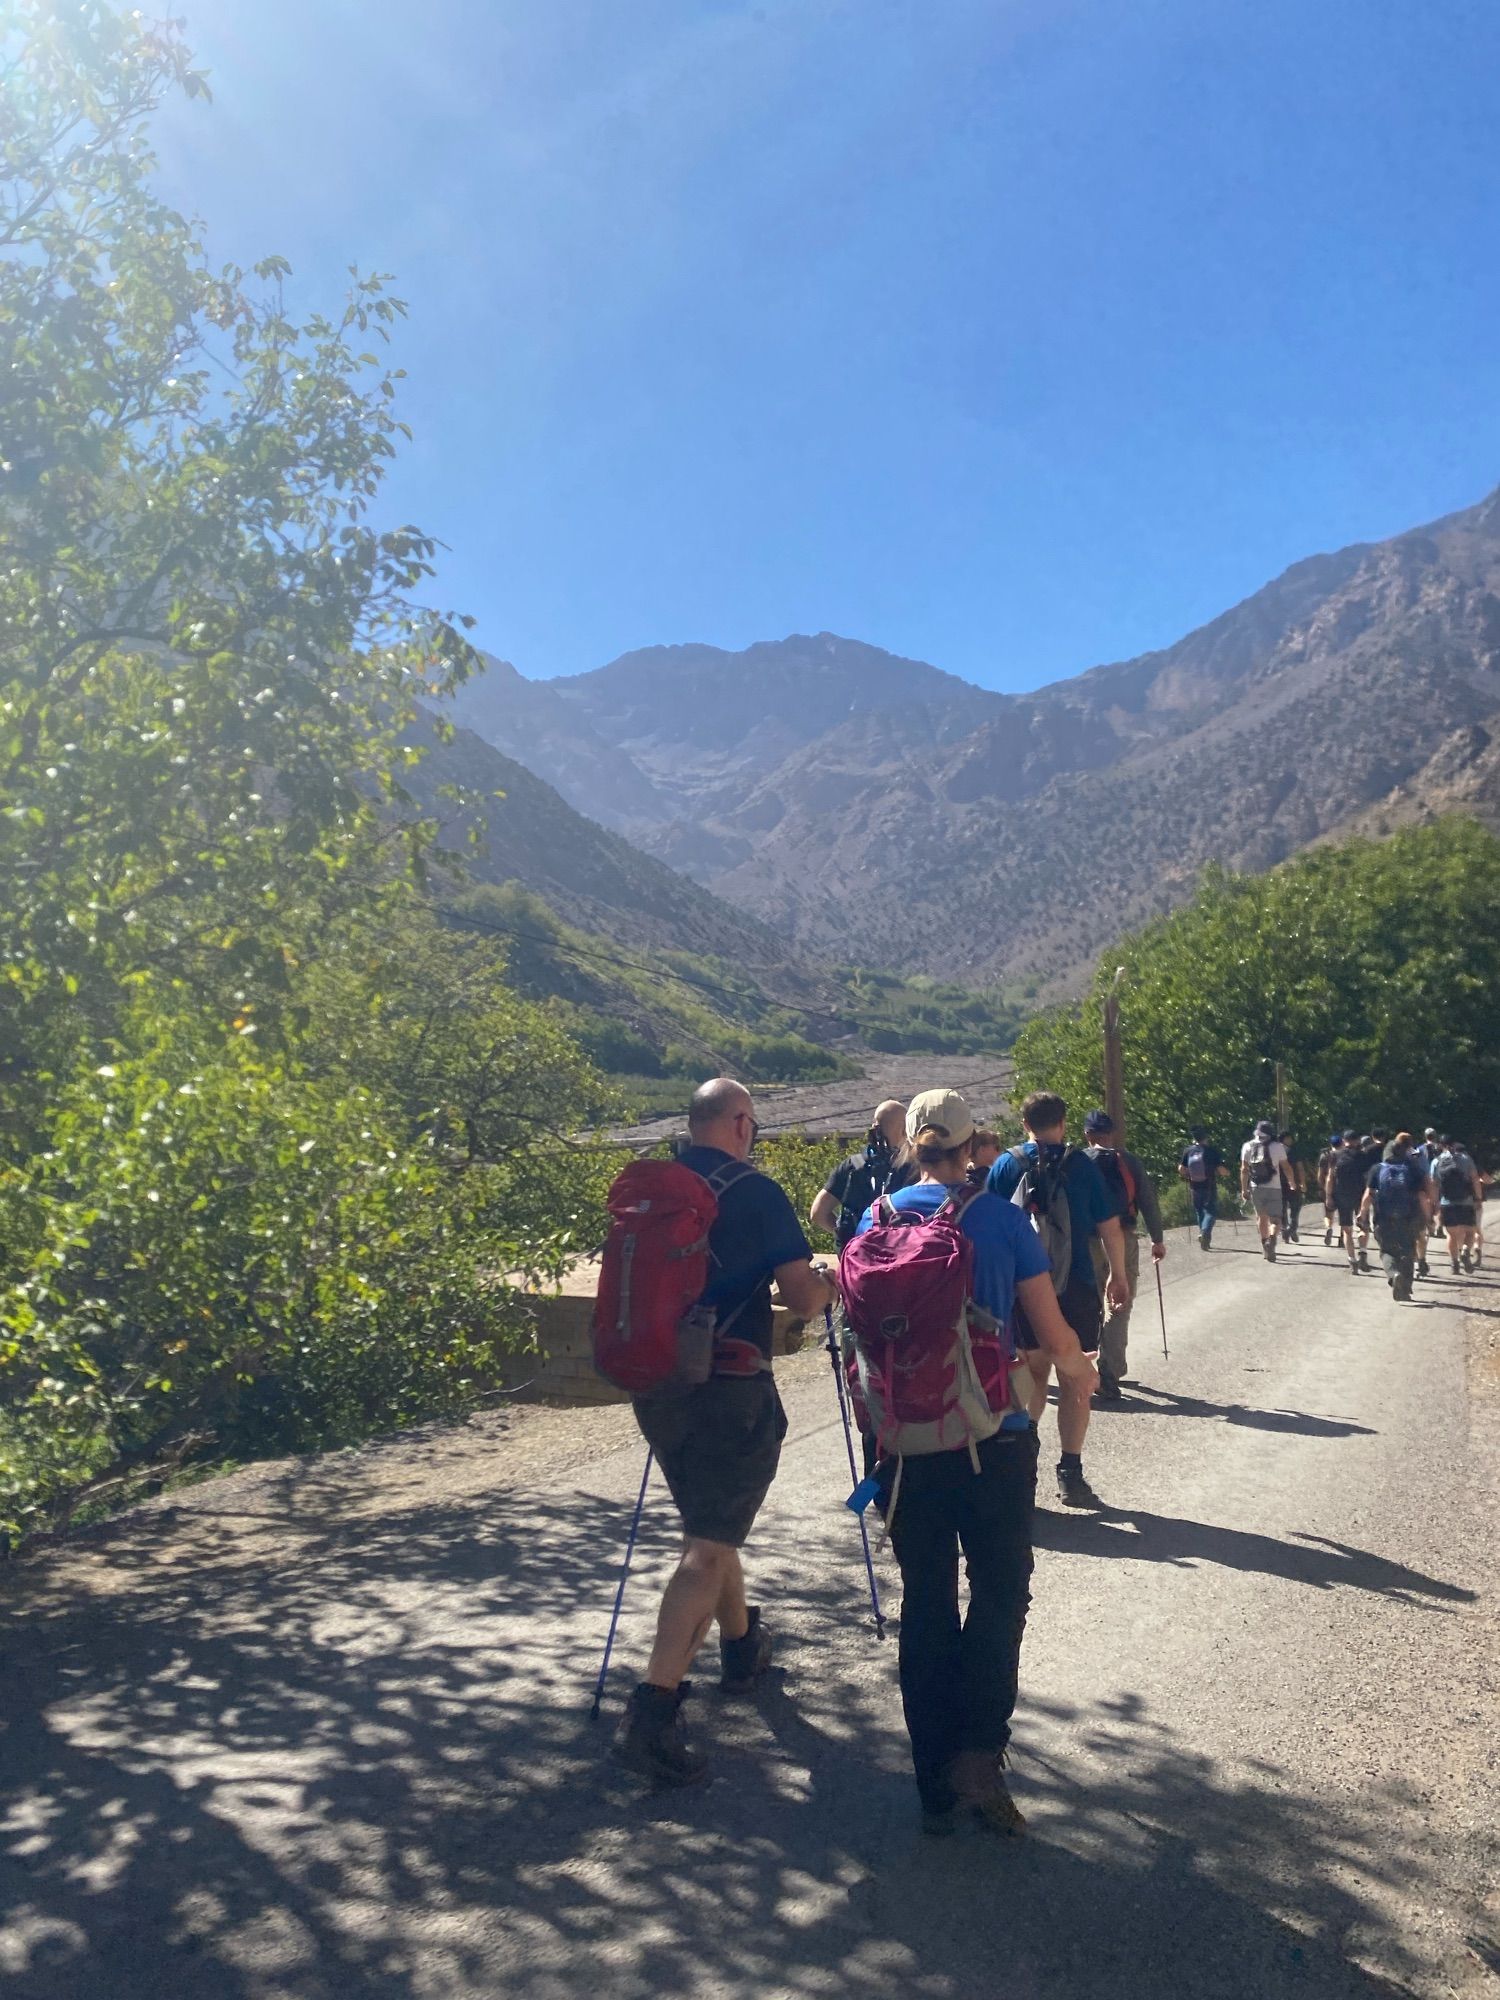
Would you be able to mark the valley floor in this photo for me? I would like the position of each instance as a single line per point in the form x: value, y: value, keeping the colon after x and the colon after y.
x: 319, y: 1729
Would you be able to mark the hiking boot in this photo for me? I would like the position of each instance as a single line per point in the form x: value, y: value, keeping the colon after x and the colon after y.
x: 744, y: 1660
x: 1205, y: 1240
x: 1073, y: 1489
x: 1364, y: 1260
x: 650, y: 1741
x: 1327, y: 1239
x: 1466, y: 1260
x: 1109, y: 1386
x: 978, y: 1781
x: 1269, y: 1246
x: 1422, y: 1270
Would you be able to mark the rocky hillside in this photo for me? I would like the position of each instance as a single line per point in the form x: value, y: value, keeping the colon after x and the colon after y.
x: 869, y: 807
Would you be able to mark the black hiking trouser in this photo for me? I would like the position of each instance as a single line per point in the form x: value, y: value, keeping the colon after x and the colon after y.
x: 959, y: 1677
x: 1398, y: 1254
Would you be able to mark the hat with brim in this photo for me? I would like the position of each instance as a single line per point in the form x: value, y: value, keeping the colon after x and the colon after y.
x: 944, y: 1113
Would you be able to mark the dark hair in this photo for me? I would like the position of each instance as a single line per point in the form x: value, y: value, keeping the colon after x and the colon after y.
x: 983, y: 1136
x: 1042, y: 1110
x: 1198, y: 1132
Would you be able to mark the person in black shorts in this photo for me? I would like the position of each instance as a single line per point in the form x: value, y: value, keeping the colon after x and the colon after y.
x: 719, y: 1444
x: 1346, y: 1184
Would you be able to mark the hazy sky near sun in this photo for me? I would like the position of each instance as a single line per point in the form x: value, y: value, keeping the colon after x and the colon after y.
x: 1015, y: 335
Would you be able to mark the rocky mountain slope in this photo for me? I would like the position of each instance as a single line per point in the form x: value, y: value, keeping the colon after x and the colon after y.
x: 869, y: 807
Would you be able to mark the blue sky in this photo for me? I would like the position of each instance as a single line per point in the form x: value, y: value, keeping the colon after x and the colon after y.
x: 1015, y: 335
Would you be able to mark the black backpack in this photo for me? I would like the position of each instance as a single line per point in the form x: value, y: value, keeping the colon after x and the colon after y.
x: 1454, y: 1181
x: 1261, y: 1170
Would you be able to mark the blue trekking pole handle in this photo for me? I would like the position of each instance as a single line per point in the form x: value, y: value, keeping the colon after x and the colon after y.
x: 864, y: 1533
x: 609, y: 1643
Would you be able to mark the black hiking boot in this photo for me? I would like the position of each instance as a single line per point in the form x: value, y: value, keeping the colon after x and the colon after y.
x: 744, y: 1660
x: 650, y: 1741
x: 1073, y: 1488
x: 1364, y: 1260
x: 1327, y: 1239
x: 1466, y: 1260
x: 1269, y: 1246
x: 1422, y: 1270
x: 1205, y: 1240
x: 1109, y: 1386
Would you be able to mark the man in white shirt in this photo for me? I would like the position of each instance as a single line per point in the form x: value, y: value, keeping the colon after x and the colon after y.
x: 1262, y: 1158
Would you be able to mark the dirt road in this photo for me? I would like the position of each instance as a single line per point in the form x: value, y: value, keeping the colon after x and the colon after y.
x: 318, y: 1731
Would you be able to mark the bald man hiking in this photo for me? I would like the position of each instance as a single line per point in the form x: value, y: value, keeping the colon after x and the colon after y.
x: 857, y: 1182
x: 719, y: 1443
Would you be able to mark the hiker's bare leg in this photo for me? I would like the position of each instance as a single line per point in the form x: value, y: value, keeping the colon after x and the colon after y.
x: 1072, y: 1417
x: 733, y: 1614
x: 689, y: 1606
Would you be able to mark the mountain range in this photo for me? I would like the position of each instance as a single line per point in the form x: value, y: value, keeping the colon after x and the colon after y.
x: 860, y: 806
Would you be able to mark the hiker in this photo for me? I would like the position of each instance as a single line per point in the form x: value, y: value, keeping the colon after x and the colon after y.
x: 1372, y: 1151
x: 1134, y: 1192
x: 1070, y: 1206
x: 957, y: 1451
x: 1396, y: 1195
x: 1323, y: 1172
x: 1201, y: 1167
x: 986, y: 1150
x: 1460, y: 1194
x: 718, y: 1444
x: 1293, y: 1183
x: 854, y: 1183
x: 1346, y: 1187
x: 1262, y: 1158
x: 1432, y: 1146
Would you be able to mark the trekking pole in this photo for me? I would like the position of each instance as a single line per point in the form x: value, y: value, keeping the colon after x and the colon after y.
x: 1162, y: 1307
x: 864, y: 1535
x: 609, y: 1644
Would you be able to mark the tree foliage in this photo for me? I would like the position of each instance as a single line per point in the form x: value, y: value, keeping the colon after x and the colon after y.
x: 279, y: 1154
x: 1369, y: 970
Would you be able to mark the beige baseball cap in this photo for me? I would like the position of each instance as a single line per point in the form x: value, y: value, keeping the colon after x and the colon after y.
x: 944, y: 1110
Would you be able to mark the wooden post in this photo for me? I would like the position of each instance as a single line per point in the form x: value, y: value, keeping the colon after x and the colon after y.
x: 1282, y: 1120
x: 1114, y: 1069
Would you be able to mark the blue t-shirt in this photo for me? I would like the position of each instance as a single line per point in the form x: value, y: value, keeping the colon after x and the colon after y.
x: 1089, y: 1200
x: 756, y: 1230
x: 1006, y: 1250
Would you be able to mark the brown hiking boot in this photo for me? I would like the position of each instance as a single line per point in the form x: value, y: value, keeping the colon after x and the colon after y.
x: 650, y: 1741
x: 978, y: 1781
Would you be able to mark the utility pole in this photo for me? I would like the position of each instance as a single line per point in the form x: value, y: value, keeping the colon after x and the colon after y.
x: 1114, y: 1069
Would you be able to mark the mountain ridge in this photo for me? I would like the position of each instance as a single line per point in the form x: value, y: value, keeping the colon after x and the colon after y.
x: 810, y: 780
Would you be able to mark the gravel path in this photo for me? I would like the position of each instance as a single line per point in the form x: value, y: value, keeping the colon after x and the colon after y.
x: 317, y: 1731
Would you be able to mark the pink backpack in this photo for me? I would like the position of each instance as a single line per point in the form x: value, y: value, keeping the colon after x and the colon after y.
x: 933, y: 1367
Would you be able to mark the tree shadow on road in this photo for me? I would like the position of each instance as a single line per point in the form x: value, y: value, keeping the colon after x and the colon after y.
x: 350, y: 1760
x: 1138, y: 1536
x: 1167, y: 1403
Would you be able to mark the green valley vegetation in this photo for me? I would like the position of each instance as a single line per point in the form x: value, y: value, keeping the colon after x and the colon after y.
x: 270, y: 1133
x: 1370, y: 970
x: 655, y: 1017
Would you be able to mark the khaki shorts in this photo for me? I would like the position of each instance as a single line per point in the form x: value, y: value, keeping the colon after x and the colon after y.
x: 1267, y: 1200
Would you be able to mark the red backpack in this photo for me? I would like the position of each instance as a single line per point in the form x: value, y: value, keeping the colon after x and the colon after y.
x: 651, y: 1330
x: 933, y: 1366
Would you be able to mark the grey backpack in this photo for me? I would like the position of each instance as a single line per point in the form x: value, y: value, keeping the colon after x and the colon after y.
x: 1043, y: 1192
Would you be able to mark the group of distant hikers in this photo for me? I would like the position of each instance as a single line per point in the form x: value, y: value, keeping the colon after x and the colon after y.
x: 969, y: 1274
x: 1404, y: 1191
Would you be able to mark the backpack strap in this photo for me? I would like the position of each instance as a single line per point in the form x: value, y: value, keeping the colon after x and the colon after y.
x: 958, y: 1198
x: 723, y: 1178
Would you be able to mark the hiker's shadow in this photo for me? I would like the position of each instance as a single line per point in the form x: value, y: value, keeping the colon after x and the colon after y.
x: 1134, y: 1535
x: 1168, y: 1403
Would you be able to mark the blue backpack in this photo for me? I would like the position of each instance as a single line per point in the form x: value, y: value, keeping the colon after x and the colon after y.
x: 1395, y: 1192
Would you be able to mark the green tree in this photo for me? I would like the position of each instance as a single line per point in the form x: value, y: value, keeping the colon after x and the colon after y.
x: 208, y: 649
x: 280, y: 1156
x: 1369, y: 970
